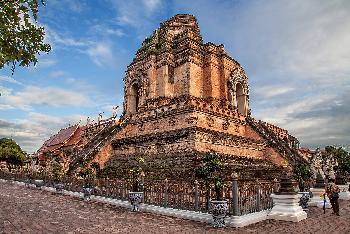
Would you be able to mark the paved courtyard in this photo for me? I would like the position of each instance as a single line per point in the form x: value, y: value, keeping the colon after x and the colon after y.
x: 24, y: 210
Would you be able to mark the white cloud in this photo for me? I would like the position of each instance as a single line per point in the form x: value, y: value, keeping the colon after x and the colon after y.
x: 281, y: 114
x: 44, y: 63
x: 137, y: 13
x: 151, y: 5
x: 101, y: 54
x: 9, y: 80
x: 272, y: 91
x: 57, y: 39
x: 64, y: 5
x: 56, y: 74
x: 104, y: 29
x: 44, y: 96
x: 116, y: 32
x: 31, y: 133
x: 6, y: 107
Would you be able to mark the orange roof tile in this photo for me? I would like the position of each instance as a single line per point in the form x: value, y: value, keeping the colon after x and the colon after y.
x: 59, y: 139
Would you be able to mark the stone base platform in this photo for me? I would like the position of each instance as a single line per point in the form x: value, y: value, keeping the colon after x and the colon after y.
x: 344, y: 192
x: 317, y: 199
x: 286, y: 207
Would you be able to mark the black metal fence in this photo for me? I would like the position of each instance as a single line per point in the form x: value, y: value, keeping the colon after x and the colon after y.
x: 243, y: 197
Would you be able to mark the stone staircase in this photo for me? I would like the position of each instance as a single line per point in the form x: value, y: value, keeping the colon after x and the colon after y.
x: 281, y: 145
x: 93, y: 146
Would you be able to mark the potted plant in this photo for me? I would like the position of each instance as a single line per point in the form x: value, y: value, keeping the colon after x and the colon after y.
x: 209, y: 172
x: 58, y: 173
x: 303, y: 175
x: 89, y: 176
x: 39, y: 178
x: 136, y: 175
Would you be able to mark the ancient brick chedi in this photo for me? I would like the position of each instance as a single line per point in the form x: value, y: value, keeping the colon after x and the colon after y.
x: 184, y: 98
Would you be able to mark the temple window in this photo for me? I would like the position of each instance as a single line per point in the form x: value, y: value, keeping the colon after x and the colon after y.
x: 241, y: 99
x: 133, y: 99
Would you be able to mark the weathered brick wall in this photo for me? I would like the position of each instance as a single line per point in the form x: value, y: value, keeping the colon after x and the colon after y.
x: 104, y: 155
x: 181, y: 74
x: 196, y: 80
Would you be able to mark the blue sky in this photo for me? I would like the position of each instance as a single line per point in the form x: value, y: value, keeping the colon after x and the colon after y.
x: 296, y: 54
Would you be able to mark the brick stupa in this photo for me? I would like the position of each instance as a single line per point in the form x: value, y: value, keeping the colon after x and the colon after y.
x: 183, y: 99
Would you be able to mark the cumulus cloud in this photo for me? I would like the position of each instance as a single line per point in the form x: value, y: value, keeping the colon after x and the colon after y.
x: 31, y: 133
x: 63, y: 5
x: 137, y: 13
x: 42, y: 96
x: 57, y: 39
x: 103, y: 29
x: 8, y: 79
x: 316, y: 120
x: 56, y: 74
x: 101, y: 54
x: 272, y: 91
x: 151, y: 5
x: 44, y: 63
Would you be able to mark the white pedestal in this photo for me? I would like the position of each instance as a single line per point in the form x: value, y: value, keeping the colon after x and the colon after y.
x: 344, y: 192
x: 317, y: 199
x: 286, y: 207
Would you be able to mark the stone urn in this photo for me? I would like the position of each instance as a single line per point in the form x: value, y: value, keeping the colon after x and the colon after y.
x: 27, y: 182
x: 38, y: 183
x: 219, y: 210
x: 304, y: 199
x: 59, y: 187
x: 135, y: 199
x: 87, y: 191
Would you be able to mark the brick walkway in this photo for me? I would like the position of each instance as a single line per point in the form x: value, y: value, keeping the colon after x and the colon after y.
x: 24, y: 210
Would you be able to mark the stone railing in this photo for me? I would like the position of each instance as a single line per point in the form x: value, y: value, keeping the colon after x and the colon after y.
x: 282, y: 133
x: 244, y: 197
x: 283, y: 147
x: 89, y: 150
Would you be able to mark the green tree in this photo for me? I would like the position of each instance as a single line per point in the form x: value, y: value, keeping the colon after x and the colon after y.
x: 21, y: 39
x: 10, y: 152
x: 209, y: 172
x: 57, y: 171
x: 302, y: 174
x: 341, y: 156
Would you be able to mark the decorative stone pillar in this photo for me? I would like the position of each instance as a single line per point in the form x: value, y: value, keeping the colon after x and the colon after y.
x: 235, y: 194
x: 344, y: 192
x: 317, y: 191
x: 286, y: 202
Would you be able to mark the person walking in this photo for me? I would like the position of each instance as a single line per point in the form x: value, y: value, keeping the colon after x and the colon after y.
x: 332, y: 191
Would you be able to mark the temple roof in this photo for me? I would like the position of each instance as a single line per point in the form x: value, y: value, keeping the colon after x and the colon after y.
x: 76, y: 137
x: 61, y: 138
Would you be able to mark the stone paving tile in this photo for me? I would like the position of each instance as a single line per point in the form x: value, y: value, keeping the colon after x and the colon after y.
x: 24, y: 210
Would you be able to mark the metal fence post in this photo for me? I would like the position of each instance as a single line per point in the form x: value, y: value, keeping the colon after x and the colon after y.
x: 258, y: 197
x: 235, y: 194
x: 166, y: 193
x: 275, y: 185
x: 196, y: 200
x: 143, y: 185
